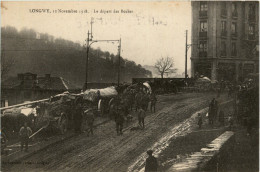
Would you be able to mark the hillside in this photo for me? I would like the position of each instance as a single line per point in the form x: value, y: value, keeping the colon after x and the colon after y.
x: 28, y: 51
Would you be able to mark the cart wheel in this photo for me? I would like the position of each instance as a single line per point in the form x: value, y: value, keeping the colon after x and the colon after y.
x: 63, y: 124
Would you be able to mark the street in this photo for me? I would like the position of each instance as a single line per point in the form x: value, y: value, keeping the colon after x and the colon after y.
x: 105, y: 151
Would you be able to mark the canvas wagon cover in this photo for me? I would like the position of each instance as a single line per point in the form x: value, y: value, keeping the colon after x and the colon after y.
x: 92, y: 94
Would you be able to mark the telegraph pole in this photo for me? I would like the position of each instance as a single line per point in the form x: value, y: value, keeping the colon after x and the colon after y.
x: 89, y: 43
x: 186, y: 49
x: 119, y: 50
x: 86, y: 81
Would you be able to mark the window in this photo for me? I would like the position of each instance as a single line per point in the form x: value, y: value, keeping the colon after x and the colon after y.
x: 234, y: 7
x: 233, y: 49
x: 223, y: 9
x: 223, y: 5
x: 223, y: 26
x: 251, y: 12
x: 203, y: 26
x: 234, y: 28
x: 251, y: 9
x: 223, y: 48
x: 251, y: 29
x: 203, y: 46
x: 203, y: 6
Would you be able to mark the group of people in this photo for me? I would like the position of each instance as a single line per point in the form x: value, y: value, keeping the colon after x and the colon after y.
x: 213, y: 113
x: 83, y: 118
x: 121, y: 112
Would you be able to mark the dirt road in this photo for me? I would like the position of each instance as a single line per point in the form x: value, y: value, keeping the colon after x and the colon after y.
x: 105, y: 151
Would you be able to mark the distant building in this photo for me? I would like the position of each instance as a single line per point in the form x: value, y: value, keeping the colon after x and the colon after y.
x: 225, y: 38
x: 29, y: 87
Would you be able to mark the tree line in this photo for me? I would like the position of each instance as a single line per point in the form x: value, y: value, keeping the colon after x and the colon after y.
x: 28, y: 51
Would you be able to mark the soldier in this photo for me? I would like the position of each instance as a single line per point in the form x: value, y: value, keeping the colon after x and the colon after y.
x: 221, y: 117
x: 145, y: 102
x: 138, y: 100
x: 151, y: 162
x: 199, y: 120
x: 90, y: 121
x: 153, y: 102
x: 119, y: 119
x: 213, y: 109
x: 24, y: 133
x: 78, y: 116
x: 141, y: 116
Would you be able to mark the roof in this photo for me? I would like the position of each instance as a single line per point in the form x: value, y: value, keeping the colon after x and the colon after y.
x: 52, y: 83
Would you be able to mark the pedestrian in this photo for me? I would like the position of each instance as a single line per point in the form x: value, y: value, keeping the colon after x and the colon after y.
x: 112, y: 111
x: 199, y: 120
x: 230, y: 121
x: 141, y: 116
x: 138, y: 100
x: 145, y: 101
x: 119, y: 119
x: 221, y: 117
x: 25, y: 133
x: 153, y: 102
x: 213, y: 109
x: 151, y: 164
x: 90, y: 121
x: 78, y: 117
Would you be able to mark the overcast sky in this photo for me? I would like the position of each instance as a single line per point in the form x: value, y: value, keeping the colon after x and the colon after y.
x: 149, y: 31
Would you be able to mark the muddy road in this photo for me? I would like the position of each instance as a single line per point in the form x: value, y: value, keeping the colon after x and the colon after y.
x: 105, y: 151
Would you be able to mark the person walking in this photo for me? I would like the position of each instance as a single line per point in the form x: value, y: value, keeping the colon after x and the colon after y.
x: 90, y: 121
x: 199, y: 120
x: 138, y: 100
x: 145, y: 101
x: 25, y: 133
x: 141, y: 116
x: 213, y: 109
x: 119, y: 119
x: 78, y: 117
x: 151, y: 164
x: 153, y: 102
x: 221, y: 117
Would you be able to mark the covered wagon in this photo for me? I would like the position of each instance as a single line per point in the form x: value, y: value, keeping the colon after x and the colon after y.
x: 101, y: 98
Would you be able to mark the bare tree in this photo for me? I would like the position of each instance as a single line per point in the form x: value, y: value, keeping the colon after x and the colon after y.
x: 164, y: 65
x: 6, y: 64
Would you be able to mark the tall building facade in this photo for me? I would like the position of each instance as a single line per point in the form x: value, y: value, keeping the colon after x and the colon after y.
x: 225, y: 39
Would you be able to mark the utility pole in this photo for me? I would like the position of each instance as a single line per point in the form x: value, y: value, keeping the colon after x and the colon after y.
x: 186, y: 49
x: 89, y: 43
x: 119, y: 50
x: 86, y: 81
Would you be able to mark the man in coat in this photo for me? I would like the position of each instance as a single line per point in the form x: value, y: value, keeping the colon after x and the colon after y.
x: 151, y: 162
x: 141, y: 116
x: 153, y: 102
x: 90, y: 121
x: 24, y: 133
x: 78, y: 116
x: 119, y: 119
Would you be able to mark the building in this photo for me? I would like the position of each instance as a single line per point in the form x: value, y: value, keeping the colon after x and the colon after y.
x: 29, y: 87
x: 225, y: 39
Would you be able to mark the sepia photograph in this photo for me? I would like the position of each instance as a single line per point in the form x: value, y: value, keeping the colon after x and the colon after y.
x: 129, y: 86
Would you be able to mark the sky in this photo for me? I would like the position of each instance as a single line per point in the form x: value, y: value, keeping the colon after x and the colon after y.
x: 148, y: 30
